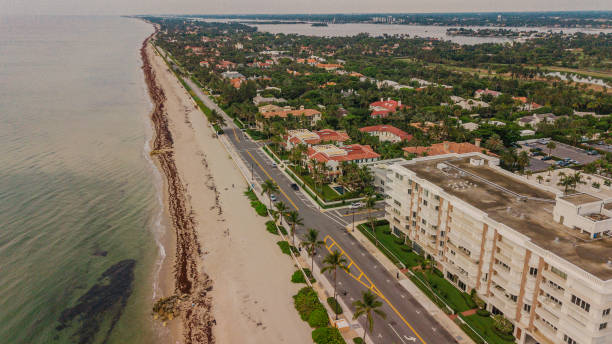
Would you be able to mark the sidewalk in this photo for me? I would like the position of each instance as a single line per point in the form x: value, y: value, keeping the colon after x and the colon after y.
x: 443, y: 319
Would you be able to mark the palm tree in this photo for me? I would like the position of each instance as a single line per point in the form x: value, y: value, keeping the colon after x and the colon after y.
x: 577, y: 179
x: 368, y: 305
x: 565, y: 181
x: 522, y: 160
x: 539, y: 178
x: 551, y: 145
x: 311, y: 242
x: 293, y: 219
x: 282, y: 210
x: 269, y: 187
x: 332, y: 263
x: 370, y: 205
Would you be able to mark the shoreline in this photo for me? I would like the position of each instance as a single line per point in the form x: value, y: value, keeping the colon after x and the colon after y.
x: 252, y: 301
x: 190, y: 284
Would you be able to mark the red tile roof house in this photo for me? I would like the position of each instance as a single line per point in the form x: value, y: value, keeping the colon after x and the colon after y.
x: 227, y: 65
x: 387, y: 133
x: 332, y: 156
x: 309, y: 138
x: 480, y: 93
x: 446, y: 147
x: 329, y: 66
x: 313, y: 115
x: 383, y: 107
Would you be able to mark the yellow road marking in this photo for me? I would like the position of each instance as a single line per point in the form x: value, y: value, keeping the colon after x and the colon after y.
x: 236, y: 136
x: 269, y: 176
x: 362, y: 212
x: 371, y: 285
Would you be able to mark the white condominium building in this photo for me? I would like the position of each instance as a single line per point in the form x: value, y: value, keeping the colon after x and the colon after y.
x: 542, y: 259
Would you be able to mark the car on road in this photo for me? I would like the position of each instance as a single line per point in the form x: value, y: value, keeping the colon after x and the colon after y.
x: 295, y: 187
x: 273, y: 164
x: 356, y: 205
x: 273, y: 197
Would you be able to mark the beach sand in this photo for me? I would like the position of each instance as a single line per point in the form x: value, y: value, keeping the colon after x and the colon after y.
x: 251, y: 288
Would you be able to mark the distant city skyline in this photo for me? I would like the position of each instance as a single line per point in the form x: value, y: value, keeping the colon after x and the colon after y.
x: 103, y: 7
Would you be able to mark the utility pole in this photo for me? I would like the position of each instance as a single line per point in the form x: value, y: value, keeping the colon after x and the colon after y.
x: 353, y: 209
x: 252, y: 178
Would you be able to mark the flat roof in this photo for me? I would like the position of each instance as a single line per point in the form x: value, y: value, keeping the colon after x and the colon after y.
x: 580, y: 198
x: 518, y: 205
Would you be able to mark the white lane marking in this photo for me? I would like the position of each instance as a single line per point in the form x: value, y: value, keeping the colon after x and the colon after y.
x: 412, y: 339
x: 397, y: 334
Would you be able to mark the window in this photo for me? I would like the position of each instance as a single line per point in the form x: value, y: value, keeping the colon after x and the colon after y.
x: 605, y: 312
x: 514, y: 298
x: 581, y: 303
x: 410, y: 191
x: 568, y: 340
x: 533, y: 271
x: 425, y: 202
x: 558, y: 272
x: 397, y: 203
x: 424, y: 222
x: 442, y: 236
x: 437, y: 207
x: 461, y: 285
x: 603, y: 326
x: 527, y: 308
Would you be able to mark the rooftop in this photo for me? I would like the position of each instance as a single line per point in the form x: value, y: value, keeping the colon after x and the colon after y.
x: 388, y: 129
x: 526, y: 208
x: 580, y: 198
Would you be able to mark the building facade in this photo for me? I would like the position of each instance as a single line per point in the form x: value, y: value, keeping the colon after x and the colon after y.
x: 542, y: 259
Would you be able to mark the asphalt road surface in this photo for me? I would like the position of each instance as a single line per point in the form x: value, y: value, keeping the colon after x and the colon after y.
x: 406, y: 321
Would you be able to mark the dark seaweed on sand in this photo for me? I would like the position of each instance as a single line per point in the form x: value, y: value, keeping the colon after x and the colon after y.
x: 103, y: 303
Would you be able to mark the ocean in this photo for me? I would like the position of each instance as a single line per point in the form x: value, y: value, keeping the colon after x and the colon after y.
x: 80, y: 204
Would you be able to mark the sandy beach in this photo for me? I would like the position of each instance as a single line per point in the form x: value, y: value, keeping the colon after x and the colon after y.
x: 234, y: 279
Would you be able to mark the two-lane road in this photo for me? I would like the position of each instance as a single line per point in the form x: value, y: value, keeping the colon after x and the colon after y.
x: 406, y: 321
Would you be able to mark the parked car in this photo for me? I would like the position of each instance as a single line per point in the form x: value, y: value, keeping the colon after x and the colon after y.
x: 356, y: 205
x: 295, y: 187
x: 273, y: 197
x: 547, y: 158
x: 273, y: 164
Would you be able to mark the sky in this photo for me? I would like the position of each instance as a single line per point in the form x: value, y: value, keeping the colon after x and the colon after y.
x: 88, y: 7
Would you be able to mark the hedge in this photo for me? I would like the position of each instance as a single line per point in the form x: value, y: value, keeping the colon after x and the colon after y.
x: 318, y: 318
x: 271, y: 227
x: 358, y: 340
x: 298, y: 277
x: 286, y: 248
x: 335, y: 306
x: 327, y: 335
x: 306, y: 301
x: 260, y: 208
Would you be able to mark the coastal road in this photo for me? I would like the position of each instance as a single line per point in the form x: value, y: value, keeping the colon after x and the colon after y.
x: 407, y: 321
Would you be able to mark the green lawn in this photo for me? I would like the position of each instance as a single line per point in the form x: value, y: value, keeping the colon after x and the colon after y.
x: 326, y: 193
x: 484, y: 327
x: 396, y: 245
x: 455, y: 298
x: 255, y: 135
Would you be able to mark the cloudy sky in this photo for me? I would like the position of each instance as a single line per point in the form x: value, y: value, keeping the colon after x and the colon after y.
x: 288, y: 6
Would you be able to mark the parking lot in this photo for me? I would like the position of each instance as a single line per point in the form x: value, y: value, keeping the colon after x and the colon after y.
x: 602, y: 146
x: 562, y: 151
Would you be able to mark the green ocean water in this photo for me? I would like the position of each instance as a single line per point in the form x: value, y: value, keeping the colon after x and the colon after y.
x: 78, y: 194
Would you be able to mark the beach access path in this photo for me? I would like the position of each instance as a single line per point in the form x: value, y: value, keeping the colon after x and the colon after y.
x: 407, y: 320
x: 252, y: 292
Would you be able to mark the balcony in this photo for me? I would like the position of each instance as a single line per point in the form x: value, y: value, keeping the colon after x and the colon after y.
x: 546, y: 287
x: 551, y: 276
x: 549, y: 305
x: 544, y: 333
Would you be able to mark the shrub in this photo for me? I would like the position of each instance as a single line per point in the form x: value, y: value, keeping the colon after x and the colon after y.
x: 309, y: 275
x: 260, y: 208
x: 469, y: 301
x: 318, y: 318
x: 327, y: 335
x: 335, y: 306
x: 358, y: 340
x: 306, y: 301
x: 271, y: 227
x: 250, y: 195
x: 483, y: 312
x: 285, y: 247
x: 282, y: 230
x: 298, y: 277
x: 502, y: 324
